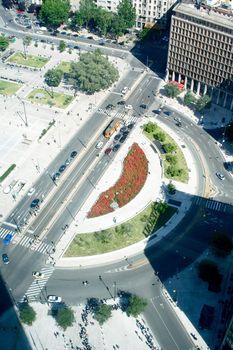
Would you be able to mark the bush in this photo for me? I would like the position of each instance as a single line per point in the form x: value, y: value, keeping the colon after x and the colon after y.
x: 173, y: 171
x: 169, y: 147
x: 7, y: 172
x: 171, y: 188
x: 102, y: 313
x: 160, y: 136
x: 189, y: 99
x: 203, y: 102
x: 27, y: 314
x: 149, y: 127
x: 135, y: 306
x: 172, y: 159
x: 65, y: 318
x: 172, y: 90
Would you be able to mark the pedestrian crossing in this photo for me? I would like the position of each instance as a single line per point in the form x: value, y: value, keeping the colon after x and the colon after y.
x: 40, y: 247
x: 5, y: 231
x: 37, y: 286
x: 211, y: 204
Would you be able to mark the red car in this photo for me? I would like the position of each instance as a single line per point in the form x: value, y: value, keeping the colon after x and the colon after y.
x: 108, y: 151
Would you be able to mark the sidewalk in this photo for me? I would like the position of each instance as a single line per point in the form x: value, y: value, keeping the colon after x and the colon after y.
x: 151, y: 192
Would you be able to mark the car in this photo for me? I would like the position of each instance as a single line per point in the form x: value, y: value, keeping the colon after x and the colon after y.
x: 178, y: 120
x: 75, y: 35
x: 31, y: 191
x: 130, y: 126
x: 35, y: 203
x: 128, y: 107
x: 124, y: 90
x: 99, y: 145
x: 67, y: 162
x: 90, y: 37
x: 110, y: 106
x: 43, y: 41
x: 56, y: 176
x: 143, y: 106
x: 102, y: 44
x: 121, y: 102
x: 62, y: 168
x: 122, y: 139
x: 76, y: 47
x: 123, y: 129
x: 73, y: 154
x: 54, y: 299
x: 220, y: 176
x: 108, y: 151
x: 117, y: 137
x: 116, y: 147
x: 168, y: 113
x: 156, y: 111
x: 63, y: 33
x: 7, y: 240
x: 38, y: 275
x: 179, y: 124
x: 5, y: 259
x: 126, y: 133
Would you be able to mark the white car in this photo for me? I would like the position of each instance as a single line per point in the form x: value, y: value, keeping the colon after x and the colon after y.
x: 54, y: 299
x: 38, y: 275
x: 220, y: 176
x: 128, y: 107
x: 99, y: 145
x: 31, y: 191
x: 124, y: 90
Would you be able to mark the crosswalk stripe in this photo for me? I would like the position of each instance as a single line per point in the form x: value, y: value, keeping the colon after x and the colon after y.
x: 5, y: 231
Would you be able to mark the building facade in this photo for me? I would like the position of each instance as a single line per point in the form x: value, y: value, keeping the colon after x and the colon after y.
x: 201, y: 52
x: 149, y: 12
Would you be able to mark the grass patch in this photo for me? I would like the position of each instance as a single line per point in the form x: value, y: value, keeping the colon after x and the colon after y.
x: 7, y: 172
x: 134, y: 230
x: 44, y: 97
x: 29, y: 61
x: 64, y: 67
x: 176, y: 168
x: 8, y: 88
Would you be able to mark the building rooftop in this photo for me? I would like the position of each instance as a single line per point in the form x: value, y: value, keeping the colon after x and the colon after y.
x: 206, y: 13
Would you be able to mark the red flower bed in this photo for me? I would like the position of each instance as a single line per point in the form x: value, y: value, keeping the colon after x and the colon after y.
x: 133, y: 177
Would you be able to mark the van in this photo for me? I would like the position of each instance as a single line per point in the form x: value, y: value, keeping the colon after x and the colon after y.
x: 112, y: 127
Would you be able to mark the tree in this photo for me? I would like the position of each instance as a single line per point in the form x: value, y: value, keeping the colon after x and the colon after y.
x: 32, y: 8
x: 222, y: 244
x: 135, y: 306
x: 127, y: 12
x: 118, y: 26
x: 208, y: 271
x: 85, y: 13
x: 103, y: 20
x: 172, y: 90
x: 160, y: 136
x: 53, y: 78
x: 144, y: 34
x: 65, y: 317
x: 172, y: 159
x: 55, y: 12
x: 169, y: 147
x: 27, y: 314
x: 102, y: 313
x: 4, y: 43
x: 203, y: 102
x: 62, y: 46
x: 26, y: 42
x: 149, y: 127
x: 7, y: 3
x: 171, y: 188
x: 189, y: 99
x: 93, y: 72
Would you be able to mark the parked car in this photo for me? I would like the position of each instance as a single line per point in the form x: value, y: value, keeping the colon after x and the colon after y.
x: 128, y: 107
x: 62, y: 168
x: 38, y: 275
x: 116, y: 147
x: 220, y: 176
x: 124, y: 90
x: 73, y: 154
x: 5, y: 259
x: 54, y: 299
x: 31, y: 191
x: 108, y: 151
x: 35, y: 203
x: 99, y: 145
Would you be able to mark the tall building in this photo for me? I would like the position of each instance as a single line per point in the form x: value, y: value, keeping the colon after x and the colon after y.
x: 201, y: 51
x: 149, y: 12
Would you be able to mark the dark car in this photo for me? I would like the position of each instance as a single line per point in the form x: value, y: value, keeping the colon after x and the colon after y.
x: 122, y: 139
x: 7, y: 240
x: 156, y: 111
x: 143, y: 106
x: 108, y: 151
x: 102, y: 44
x: 56, y: 176
x: 110, y: 106
x: 62, y: 168
x: 168, y: 113
x: 90, y: 37
x: 5, y: 258
x: 126, y: 133
x: 73, y: 154
x: 117, y: 137
x: 43, y: 41
x: 130, y: 126
x: 121, y: 102
x: 116, y: 147
x: 35, y: 203
x: 123, y: 129
x: 76, y: 47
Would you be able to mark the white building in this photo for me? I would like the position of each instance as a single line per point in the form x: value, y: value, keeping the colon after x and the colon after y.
x: 148, y: 12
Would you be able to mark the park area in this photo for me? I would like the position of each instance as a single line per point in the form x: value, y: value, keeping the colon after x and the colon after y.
x: 52, y: 99
x: 8, y: 88
x: 118, y: 237
x: 28, y: 60
x: 64, y: 67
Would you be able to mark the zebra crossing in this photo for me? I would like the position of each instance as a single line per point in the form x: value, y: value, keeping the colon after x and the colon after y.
x: 41, y: 247
x: 211, y: 204
x: 5, y: 231
x: 36, y: 288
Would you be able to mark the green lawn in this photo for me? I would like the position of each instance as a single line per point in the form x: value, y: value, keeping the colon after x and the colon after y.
x: 64, y: 67
x: 44, y: 97
x: 121, y: 236
x: 30, y: 61
x: 8, y: 88
x: 181, y: 162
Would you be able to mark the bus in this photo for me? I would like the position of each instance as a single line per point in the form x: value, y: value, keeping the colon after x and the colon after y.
x: 112, y: 127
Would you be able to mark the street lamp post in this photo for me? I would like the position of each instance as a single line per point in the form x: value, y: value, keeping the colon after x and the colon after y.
x: 101, y: 280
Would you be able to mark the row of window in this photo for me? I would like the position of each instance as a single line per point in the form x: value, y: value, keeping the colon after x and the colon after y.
x: 222, y: 41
